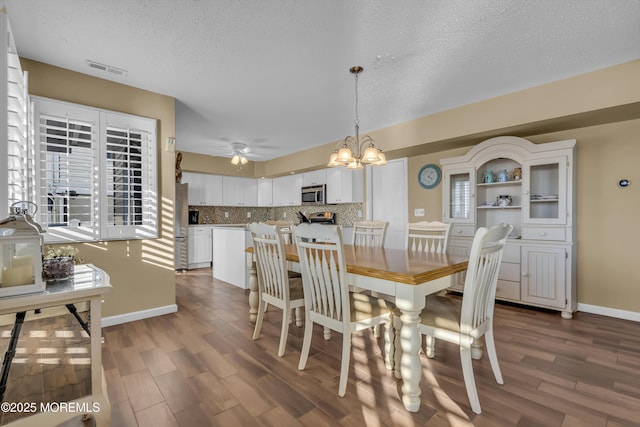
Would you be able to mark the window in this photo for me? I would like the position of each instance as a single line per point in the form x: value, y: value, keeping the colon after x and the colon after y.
x: 97, y: 173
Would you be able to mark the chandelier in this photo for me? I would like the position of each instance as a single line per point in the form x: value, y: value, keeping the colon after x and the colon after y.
x: 353, y: 152
x: 238, y: 155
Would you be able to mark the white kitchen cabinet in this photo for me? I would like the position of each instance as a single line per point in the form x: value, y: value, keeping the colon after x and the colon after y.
x: 318, y: 177
x: 196, y: 187
x: 344, y: 185
x: 204, y: 189
x: 538, y: 266
x: 286, y: 190
x: 200, y: 247
x: 238, y: 191
x: 265, y: 192
x: 543, y: 275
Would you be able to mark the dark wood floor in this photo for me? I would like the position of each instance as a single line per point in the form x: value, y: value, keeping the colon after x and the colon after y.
x: 200, y: 367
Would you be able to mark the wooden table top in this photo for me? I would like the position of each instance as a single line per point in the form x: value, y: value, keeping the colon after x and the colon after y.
x: 397, y: 265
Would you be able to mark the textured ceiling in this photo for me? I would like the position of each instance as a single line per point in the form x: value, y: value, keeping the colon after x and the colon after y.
x: 274, y: 73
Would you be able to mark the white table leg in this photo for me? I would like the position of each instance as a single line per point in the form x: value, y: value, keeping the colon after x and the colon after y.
x: 410, y: 301
x: 253, y: 289
x: 410, y: 364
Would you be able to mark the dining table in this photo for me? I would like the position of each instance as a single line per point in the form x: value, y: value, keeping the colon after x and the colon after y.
x: 406, y: 276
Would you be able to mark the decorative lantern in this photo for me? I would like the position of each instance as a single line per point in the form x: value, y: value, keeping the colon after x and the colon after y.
x: 20, y: 253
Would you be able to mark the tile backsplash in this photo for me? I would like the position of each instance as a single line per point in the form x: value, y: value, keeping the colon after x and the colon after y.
x: 346, y: 214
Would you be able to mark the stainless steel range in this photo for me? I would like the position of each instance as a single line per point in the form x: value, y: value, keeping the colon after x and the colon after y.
x: 328, y: 218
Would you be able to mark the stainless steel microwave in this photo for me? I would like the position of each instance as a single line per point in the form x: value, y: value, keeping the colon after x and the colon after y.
x: 314, y: 195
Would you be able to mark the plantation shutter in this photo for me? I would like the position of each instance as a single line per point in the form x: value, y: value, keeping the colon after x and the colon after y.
x: 68, y: 155
x: 130, y: 188
x: 19, y: 155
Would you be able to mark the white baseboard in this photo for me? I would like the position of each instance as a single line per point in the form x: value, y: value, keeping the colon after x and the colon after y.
x: 611, y: 312
x: 138, y: 315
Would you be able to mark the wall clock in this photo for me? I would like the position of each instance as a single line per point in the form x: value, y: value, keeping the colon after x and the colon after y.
x: 429, y: 176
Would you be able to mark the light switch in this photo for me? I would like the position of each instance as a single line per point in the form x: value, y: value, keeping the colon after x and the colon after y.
x: 226, y: 214
x: 418, y: 212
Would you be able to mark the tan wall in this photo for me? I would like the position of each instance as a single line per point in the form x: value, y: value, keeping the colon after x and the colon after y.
x: 142, y: 271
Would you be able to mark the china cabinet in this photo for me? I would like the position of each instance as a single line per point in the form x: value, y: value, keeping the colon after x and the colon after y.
x: 531, y: 186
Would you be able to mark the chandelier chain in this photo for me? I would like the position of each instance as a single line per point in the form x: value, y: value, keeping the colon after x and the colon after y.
x: 356, y: 121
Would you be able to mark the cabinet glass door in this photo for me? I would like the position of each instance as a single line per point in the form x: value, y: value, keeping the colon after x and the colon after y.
x: 545, y: 191
x: 459, y: 186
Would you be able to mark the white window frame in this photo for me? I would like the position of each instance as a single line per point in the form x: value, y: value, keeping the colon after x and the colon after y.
x: 100, y: 120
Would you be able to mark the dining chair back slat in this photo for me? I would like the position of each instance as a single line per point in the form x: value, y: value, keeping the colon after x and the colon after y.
x: 370, y: 233
x: 425, y: 236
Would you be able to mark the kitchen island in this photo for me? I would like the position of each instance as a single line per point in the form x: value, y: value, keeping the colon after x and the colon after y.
x: 229, y: 244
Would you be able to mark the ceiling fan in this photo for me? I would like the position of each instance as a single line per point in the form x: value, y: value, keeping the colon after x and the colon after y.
x: 239, y: 153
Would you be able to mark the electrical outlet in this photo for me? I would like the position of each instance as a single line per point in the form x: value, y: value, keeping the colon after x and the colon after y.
x: 226, y: 214
x: 418, y: 212
x: 284, y: 214
x: 248, y: 214
x: 359, y: 214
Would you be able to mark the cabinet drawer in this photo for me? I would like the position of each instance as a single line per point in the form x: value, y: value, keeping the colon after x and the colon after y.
x: 462, y: 230
x: 199, y: 231
x: 548, y: 233
x: 511, y: 254
x: 509, y: 271
x: 508, y: 290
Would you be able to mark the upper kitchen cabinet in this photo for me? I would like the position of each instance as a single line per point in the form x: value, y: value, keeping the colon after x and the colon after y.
x: 286, y: 190
x: 239, y: 191
x: 344, y: 185
x: 204, y: 189
x: 318, y: 177
x: 265, y: 192
x: 531, y: 186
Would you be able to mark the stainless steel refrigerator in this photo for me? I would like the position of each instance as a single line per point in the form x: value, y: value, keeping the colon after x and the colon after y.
x: 182, y: 227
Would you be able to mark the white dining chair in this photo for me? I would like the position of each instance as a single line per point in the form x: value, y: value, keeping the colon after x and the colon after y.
x: 370, y: 233
x: 328, y: 301
x: 462, y: 321
x: 275, y: 286
x: 428, y: 236
x: 284, y: 227
x: 425, y: 236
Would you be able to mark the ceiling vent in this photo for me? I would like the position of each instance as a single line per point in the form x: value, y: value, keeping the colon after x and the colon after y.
x: 106, y: 68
